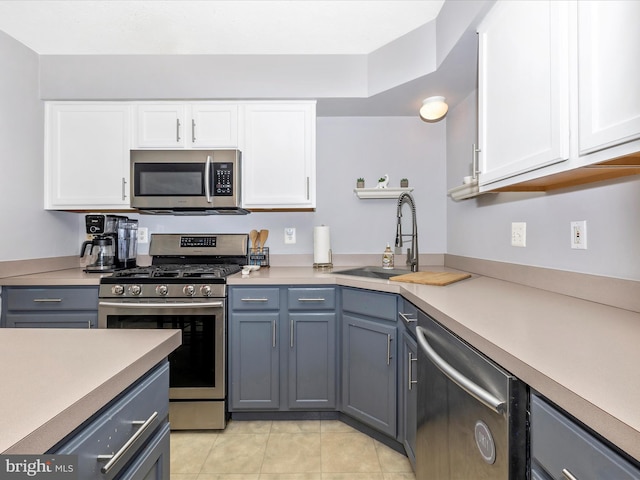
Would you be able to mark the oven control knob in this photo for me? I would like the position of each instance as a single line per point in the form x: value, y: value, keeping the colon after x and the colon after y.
x: 135, y: 289
x: 189, y: 290
x: 117, y: 290
x: 206, y: 290
x: 162, y: 290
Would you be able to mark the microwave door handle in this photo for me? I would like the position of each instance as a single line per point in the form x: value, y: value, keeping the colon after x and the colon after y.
x: 207, y: 179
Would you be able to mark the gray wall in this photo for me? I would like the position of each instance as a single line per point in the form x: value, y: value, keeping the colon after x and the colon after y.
x: 348, y: 148
x: 481, y: 227
x: 28, y: 231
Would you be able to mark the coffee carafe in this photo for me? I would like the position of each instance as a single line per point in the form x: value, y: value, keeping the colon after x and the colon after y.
x: 101, y: 254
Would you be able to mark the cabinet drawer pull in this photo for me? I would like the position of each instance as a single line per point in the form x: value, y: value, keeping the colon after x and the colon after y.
x: 47, y: 300
x: 568, y: 475
x: 405, y: 317
x: 311, y: 299
x: 249, y: 300
x: 113, y: 459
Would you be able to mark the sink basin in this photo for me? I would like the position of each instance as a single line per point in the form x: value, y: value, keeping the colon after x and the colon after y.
x: 373, y: 272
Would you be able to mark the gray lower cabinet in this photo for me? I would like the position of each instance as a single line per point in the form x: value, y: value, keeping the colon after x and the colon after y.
x: 369, y: 358
x: 129, y: 438
x: 50, y: 307
x: 298, y: 340
x: 408, y: 393
x: 254, y: 348
x: 561, y: 449
x: 312, y: 348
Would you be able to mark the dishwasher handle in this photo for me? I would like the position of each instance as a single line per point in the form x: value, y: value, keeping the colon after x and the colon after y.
x: 473, y: 389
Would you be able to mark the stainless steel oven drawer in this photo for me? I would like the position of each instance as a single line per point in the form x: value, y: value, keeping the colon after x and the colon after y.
x: 135, y: 415
x: 560, y: 445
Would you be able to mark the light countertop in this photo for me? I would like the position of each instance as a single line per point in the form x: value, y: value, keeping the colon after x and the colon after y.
x: 581, y: 355
x: 55, y: 379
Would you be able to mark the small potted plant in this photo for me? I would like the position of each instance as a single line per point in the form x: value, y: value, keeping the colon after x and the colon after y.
x: 404, y: 183
x: 360, y: 183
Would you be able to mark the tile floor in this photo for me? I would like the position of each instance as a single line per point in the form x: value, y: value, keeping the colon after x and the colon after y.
x: 285, y: 450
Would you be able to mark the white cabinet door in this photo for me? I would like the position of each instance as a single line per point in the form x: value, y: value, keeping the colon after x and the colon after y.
x: 278, y: 155
x: 187, y: 125
x: 608, y: 69
x: 161, y: 125
x: 87, y: 155
x: 214, y: 125
x: 523, y: 88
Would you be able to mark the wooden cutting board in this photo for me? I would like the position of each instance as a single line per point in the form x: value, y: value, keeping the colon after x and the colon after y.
x: 431, y: 278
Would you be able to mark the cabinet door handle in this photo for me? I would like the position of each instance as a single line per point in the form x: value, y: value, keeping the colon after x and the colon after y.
x: 311, y: 299
x: 291, y: 330
x: 113, y: 459
x: 193, y: 131
x: 405, y: 317
x: 568, y: 475
x: 388, y: 349
x: 250, y: 300
x: 47, y: 300
x: 410, y: 371
x: 124, y: 189
x: 177, y: 130
x: 307, y: 188
x: 273, y: 334
x: 474, y: 163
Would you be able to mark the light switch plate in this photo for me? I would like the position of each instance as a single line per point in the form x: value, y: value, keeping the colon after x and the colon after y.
x: 518, y: 234
x: 289, y: 235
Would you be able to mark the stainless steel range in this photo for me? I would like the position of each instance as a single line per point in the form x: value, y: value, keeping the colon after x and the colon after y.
x: 184, y: 288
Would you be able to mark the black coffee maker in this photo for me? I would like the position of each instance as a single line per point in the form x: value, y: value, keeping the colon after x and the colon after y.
x: 114, y: 245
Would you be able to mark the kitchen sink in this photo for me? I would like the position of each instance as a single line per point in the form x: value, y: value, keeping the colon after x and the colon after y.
x: 373, y: 272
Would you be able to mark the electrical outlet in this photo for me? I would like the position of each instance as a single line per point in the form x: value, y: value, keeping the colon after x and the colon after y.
x: 289, y: 235
x: 518, y: 234
x: 143, y: 235
x: 579, y: 235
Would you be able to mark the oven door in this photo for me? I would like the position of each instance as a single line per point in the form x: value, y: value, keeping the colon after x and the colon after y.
x: 197, y: 367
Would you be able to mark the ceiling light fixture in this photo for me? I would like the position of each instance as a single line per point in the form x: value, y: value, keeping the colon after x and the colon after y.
x: 433, y: 108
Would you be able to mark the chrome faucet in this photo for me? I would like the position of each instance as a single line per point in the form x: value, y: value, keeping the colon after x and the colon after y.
x: 412, y: 253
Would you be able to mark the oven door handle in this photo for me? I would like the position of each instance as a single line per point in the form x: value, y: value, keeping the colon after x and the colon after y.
x: 160, y: 305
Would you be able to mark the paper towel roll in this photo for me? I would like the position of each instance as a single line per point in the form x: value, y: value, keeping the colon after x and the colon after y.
x: 321, y: 245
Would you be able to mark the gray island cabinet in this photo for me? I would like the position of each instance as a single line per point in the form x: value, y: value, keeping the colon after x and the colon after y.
x: 101, y: 394
x: 288, y: 330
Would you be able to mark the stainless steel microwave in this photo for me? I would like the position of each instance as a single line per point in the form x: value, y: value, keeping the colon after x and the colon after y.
x: 186, y: 181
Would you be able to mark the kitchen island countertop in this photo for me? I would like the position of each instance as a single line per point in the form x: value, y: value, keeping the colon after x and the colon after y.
x: 581, y: 355
x: 55, y: 379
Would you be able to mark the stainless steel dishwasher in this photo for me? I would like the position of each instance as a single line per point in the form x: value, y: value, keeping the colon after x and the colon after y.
x: 471, y: 413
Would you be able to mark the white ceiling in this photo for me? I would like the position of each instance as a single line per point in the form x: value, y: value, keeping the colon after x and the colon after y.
x: 239, y: 27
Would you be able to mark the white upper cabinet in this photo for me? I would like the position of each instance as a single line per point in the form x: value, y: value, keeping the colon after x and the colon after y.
x: 278, y: 155
x: 558, y: 91
x: 87, y: 155
x: 187, y: 125
x: 523, y: 88
x: 609, y: 69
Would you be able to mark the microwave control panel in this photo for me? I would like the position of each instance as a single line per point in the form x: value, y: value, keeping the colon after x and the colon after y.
x: 223, y: 179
